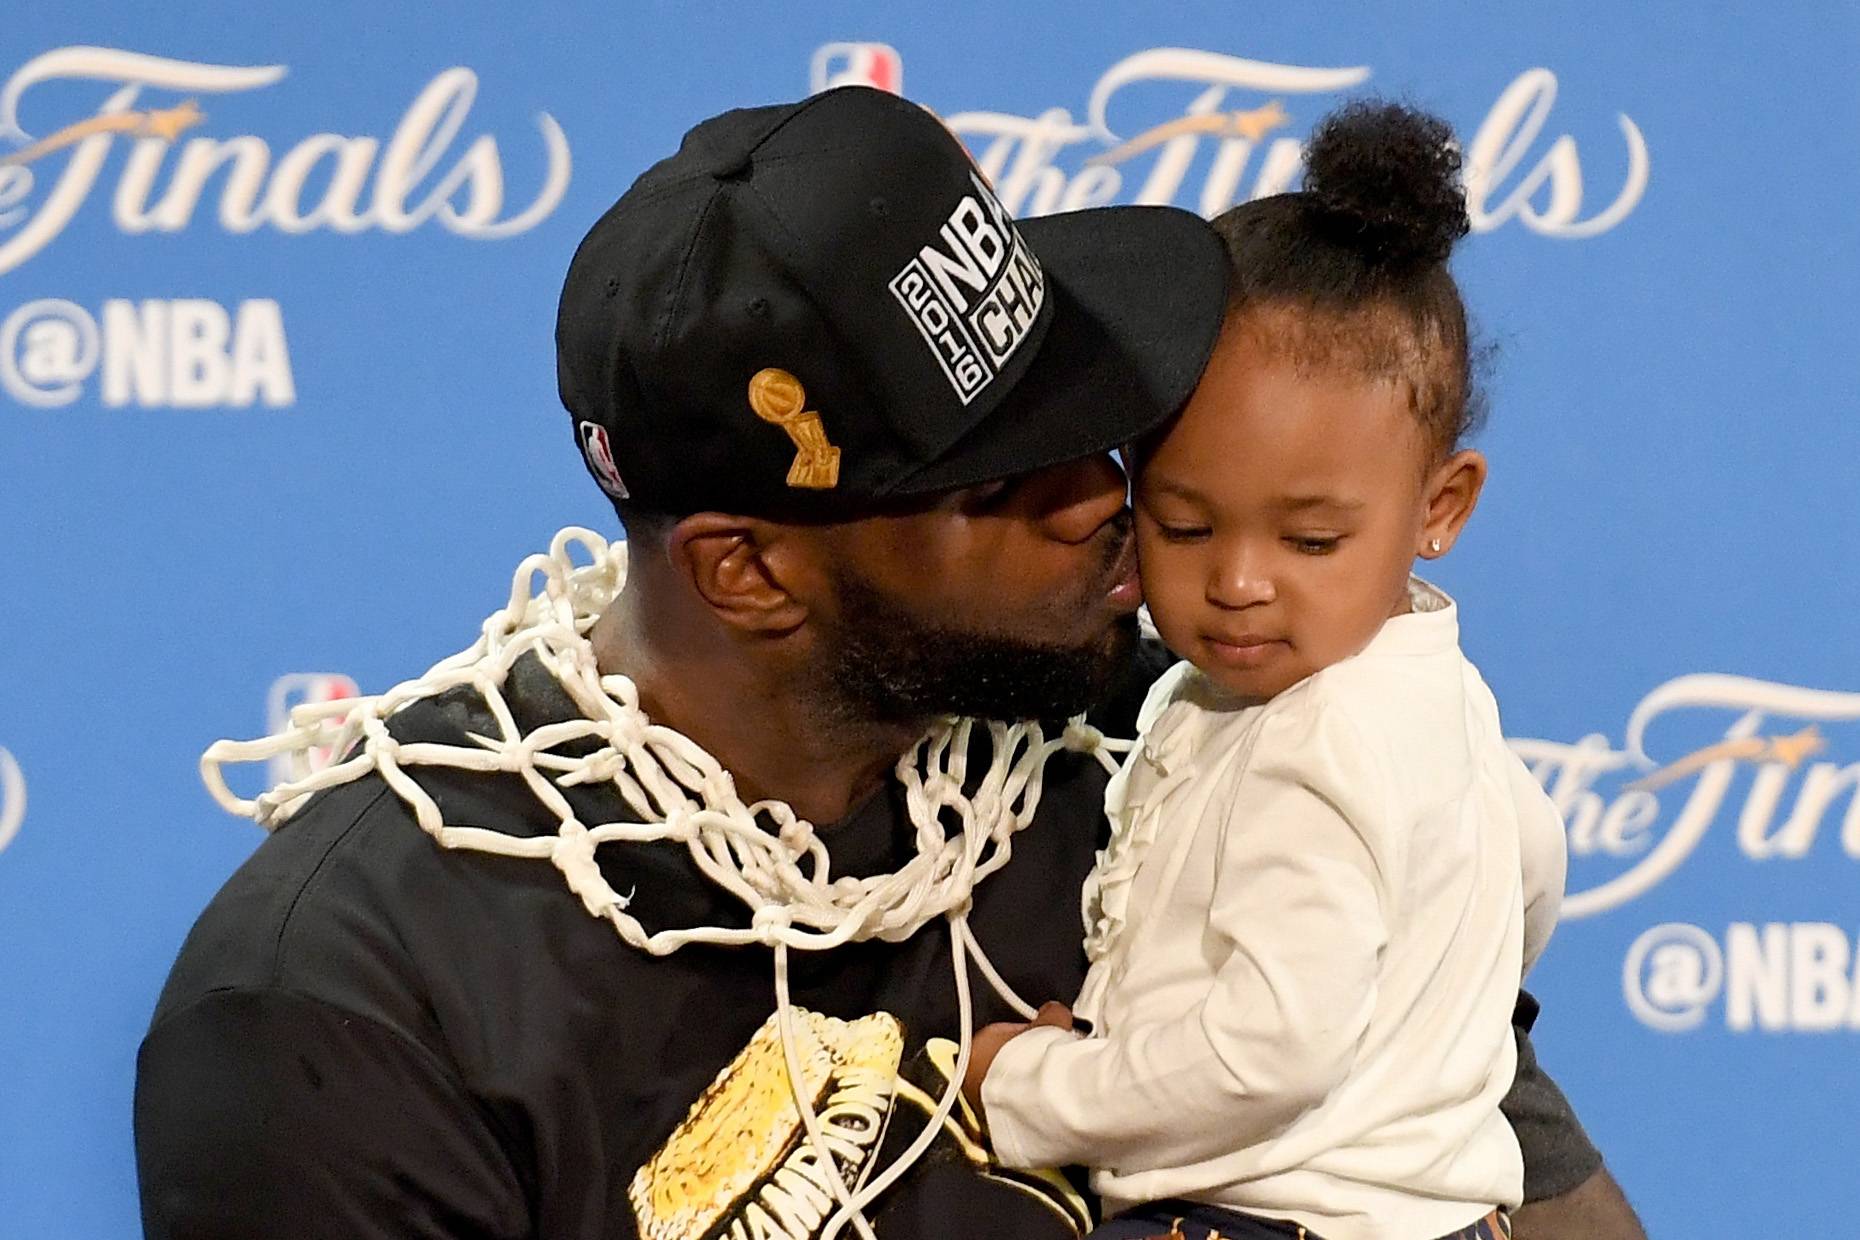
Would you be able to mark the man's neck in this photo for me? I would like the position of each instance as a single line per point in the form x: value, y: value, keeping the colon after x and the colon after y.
x: 775, y: 744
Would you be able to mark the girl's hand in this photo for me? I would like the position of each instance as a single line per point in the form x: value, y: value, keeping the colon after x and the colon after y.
x: 991, y: 1038
x: 1053, y: 1013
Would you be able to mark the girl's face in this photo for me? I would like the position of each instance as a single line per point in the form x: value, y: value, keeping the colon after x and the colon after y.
x: 1278, y: 519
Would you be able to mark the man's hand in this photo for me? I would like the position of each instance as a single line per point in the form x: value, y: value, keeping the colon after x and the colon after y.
x: 989, y: 1040
x: 1595, y: 1209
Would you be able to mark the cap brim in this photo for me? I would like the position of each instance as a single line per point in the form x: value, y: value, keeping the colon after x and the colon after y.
x: 1139, y: 294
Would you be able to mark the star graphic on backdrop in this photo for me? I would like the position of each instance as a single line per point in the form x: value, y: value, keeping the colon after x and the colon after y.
x: 164, y: 123
x: 1260, y: 121
x: 1791, y: 751
x: 170, y: 123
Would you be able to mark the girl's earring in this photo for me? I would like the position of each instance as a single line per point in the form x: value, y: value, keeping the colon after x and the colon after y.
x: 1434, y: 545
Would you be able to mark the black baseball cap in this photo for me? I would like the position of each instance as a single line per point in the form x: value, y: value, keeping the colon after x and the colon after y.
x: 817, y: 307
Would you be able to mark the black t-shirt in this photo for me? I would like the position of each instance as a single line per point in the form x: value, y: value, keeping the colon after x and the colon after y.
x: 367, y: 1035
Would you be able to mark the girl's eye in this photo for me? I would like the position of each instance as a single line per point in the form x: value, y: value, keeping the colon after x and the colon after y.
x: 1315, y: 544
x: 1182, y: 533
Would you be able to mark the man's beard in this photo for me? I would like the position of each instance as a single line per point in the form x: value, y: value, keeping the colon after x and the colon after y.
x: 889, y: 665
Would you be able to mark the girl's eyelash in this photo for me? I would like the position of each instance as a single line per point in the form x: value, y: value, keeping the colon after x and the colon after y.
x: 1181, y: 533
x: 1316, y: 546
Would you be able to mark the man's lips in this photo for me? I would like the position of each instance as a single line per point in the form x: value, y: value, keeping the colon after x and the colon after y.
x: 1126, y: 590
x: 1243, y: 649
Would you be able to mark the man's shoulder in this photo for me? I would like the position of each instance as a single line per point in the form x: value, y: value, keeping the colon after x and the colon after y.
x: 299, y: 889
x: 338, y: 902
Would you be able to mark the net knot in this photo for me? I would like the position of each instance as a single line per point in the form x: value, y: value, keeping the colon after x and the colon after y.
x: 573, y: 854
x: 382, y: 745
x: 596, y: 768
x: 678, y: 824
x: 1081, y: 737
x: 717, y: 788
x: 626, y: 731
x: 770, y: 921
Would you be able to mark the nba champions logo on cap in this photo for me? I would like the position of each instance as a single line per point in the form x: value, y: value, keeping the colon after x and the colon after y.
x: 974, y: 291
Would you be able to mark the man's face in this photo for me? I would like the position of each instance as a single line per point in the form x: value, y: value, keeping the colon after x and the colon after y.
x: 1010, y: 600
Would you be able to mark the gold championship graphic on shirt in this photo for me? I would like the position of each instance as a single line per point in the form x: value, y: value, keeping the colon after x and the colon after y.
x: 740, y: 1165
x: 933, y: 1069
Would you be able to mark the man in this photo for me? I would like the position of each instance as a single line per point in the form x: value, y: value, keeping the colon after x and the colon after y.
x: 856, y: 422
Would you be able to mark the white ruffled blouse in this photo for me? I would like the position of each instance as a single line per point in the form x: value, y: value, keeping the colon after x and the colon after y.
x: 1307, y: 933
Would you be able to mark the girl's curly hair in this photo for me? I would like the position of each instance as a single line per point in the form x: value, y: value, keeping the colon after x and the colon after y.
x: 1358, y: 259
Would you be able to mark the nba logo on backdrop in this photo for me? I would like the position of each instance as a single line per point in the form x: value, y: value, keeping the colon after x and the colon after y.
x: 857, y: 64
x: 296, y: 689
x: 12, y: 798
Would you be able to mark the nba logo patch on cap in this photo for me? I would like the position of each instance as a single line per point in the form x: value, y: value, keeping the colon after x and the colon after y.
x: 600, y: 458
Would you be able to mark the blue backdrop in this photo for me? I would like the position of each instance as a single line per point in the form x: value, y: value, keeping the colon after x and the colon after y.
x: 277, y: 417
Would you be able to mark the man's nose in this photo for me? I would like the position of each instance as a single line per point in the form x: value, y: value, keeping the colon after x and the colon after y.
x: 1078, y: 498
x: 1239, y: 579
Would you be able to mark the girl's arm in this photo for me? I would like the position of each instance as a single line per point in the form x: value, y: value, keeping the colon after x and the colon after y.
x: 1297, y: 918
x: 1543, y: 853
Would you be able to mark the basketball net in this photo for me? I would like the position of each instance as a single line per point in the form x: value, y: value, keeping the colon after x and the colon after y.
x: 763, y: 853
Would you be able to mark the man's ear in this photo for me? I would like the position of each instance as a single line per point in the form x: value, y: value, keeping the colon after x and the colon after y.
x: 740, y: 567
x: 1452, y: 493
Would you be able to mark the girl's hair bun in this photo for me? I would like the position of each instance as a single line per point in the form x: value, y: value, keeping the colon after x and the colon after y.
x: 1386, y: 177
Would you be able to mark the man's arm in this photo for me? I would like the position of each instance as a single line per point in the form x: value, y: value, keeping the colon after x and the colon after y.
x: 1595, y: 1209
x: 260, y: 1112
x: 1568, y: 1193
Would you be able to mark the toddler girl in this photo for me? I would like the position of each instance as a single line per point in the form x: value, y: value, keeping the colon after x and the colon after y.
x: 1327, y: 873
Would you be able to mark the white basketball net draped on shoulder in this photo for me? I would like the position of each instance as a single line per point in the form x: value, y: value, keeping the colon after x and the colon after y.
x: 772, y: 860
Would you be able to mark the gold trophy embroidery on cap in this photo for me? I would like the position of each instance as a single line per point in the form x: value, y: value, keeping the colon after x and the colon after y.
x: 778, y: 397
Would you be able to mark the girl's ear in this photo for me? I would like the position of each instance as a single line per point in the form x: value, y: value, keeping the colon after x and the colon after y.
x: 1452, y: 493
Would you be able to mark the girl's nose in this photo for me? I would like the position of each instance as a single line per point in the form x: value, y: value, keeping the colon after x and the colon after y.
x: 1237, y: 582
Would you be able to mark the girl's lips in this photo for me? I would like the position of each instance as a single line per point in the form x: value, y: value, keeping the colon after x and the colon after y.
x: 1245, y: 651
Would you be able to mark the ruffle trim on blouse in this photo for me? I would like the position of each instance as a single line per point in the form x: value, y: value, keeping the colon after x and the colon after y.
x: 1162, y: 762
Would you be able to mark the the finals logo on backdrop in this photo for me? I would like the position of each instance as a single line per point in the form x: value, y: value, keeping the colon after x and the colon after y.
x: 193, y: 158
x: 1720, y: 777
x: 1205, y: 130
